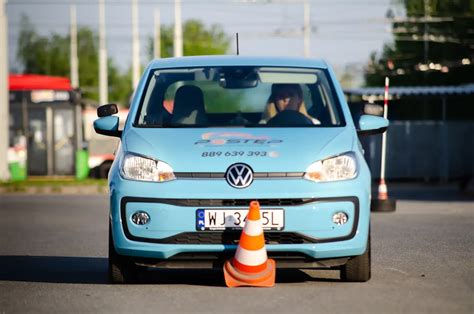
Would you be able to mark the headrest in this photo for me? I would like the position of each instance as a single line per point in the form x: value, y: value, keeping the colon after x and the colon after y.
x: 189, y: 106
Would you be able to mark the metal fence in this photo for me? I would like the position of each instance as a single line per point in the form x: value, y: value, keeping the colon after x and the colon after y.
x: 439, y: 150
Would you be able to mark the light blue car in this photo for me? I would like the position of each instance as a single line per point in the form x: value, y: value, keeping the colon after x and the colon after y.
x: 207, y: 135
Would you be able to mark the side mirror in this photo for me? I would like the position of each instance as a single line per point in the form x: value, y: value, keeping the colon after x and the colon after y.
x: 373, y: 110
x: 369, y: 125
x: 108, y: 126
x: 107, y: 110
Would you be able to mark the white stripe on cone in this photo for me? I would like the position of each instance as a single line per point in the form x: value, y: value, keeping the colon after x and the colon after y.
x: 253, y: 227
x: 383, y: 194
x: 251, y: 258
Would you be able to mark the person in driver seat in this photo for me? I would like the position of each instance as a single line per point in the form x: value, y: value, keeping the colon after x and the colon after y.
x: 285, y: 97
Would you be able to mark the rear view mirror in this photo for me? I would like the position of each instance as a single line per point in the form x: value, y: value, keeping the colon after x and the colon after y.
x: 237, y: 78
x: 107, y: 110
x: 373, y: 110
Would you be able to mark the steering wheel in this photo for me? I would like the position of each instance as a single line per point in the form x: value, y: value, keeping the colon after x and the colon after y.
x: 289, y: 118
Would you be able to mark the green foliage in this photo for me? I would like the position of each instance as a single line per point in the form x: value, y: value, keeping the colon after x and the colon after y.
x: 33, y: 49
x: 197, y: 40
x: 50, y: 56
x: 120, y: 85
x: 437, y: 59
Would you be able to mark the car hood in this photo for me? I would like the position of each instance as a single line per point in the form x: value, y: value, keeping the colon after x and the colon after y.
x: 214, y: 150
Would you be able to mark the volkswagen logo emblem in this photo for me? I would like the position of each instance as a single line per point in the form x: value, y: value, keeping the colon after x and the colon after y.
x: 239, y: 176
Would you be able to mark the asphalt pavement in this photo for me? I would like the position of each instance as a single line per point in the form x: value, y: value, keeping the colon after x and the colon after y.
x: 53, y: 251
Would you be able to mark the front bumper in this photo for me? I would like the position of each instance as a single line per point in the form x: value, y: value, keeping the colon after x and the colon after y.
x: 173, y: 220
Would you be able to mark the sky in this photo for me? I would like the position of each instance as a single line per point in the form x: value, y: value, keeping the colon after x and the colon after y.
x: 344, y: 32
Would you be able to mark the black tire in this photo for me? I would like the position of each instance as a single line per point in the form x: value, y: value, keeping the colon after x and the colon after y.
x: 121, y: 269
x: 358, y: 268
x: 383, y: 206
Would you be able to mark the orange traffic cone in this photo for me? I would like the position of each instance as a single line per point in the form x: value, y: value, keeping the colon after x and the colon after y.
x: 383, y: 193
x: 382, y: 203
x: 250, y: 265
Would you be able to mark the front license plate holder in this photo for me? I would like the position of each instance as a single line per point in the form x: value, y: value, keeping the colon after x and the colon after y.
x: 234, y: 219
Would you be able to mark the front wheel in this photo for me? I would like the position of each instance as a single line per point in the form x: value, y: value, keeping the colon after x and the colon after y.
x: 358, y: 269
x: 121, y: 269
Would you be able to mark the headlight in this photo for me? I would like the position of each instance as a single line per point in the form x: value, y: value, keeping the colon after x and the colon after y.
x: 145, y: 169
x: 342, y: 167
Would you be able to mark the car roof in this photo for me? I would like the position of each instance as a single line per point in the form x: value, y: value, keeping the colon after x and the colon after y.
x: 231, y: 60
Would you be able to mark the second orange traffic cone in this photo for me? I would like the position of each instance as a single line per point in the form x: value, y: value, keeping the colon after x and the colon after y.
x: 383, y: 192
x: 250, y: 265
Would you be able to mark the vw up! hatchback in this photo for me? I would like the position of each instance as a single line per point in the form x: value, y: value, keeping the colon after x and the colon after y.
x: 206, y: 135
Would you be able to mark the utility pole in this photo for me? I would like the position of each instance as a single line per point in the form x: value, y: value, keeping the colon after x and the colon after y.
x: 157, y: 34
x: 74, y: 64
x: 103, y: 81
x: 135, y: 45
x: 74, y: 68
x: 306, y: 28
x: 4, y: 99
x: 178, y: 30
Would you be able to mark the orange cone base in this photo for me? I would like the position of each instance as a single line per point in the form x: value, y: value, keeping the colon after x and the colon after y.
x: 236, y: 278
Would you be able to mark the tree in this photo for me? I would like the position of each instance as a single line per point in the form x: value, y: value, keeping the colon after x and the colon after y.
x: 33, y: 50
x: 50, y: 56
x: 433, y: 45
x: 197, y: 40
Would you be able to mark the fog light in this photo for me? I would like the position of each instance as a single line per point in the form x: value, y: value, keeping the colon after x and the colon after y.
x: 339, y: 218
x: 140, y: 218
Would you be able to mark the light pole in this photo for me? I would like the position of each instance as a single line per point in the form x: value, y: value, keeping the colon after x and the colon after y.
x: 157, y: 35
x: 135, y: 45
x: 74, y: 64
x: 306, y: 29
x: 178, y: 30
x: 103, y: 80
x: 4, y: 100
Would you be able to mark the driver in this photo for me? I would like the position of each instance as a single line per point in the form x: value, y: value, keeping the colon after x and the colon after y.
x: 285, y: 97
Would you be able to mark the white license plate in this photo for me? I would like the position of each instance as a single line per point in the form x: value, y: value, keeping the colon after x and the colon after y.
x: 232, y: 219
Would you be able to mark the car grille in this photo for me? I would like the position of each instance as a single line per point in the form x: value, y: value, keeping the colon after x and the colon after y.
x: 227, y: 255
x: 215, y: 237
x: 221, y: 175
x: 235, y: 202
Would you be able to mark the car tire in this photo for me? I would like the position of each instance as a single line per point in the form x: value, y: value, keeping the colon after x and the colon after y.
x: 358, y: 268
x: 121, y: 269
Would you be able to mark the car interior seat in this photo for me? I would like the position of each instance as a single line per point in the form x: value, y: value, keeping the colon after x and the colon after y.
x: 189, y: 106
x: 271, y: 109
x: 319, y: 109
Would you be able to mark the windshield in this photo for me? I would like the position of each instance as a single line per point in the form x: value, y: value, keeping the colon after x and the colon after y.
x: 239, y: 97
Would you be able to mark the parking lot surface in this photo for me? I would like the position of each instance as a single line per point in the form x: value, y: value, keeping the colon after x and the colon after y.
x: 53, y: 258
